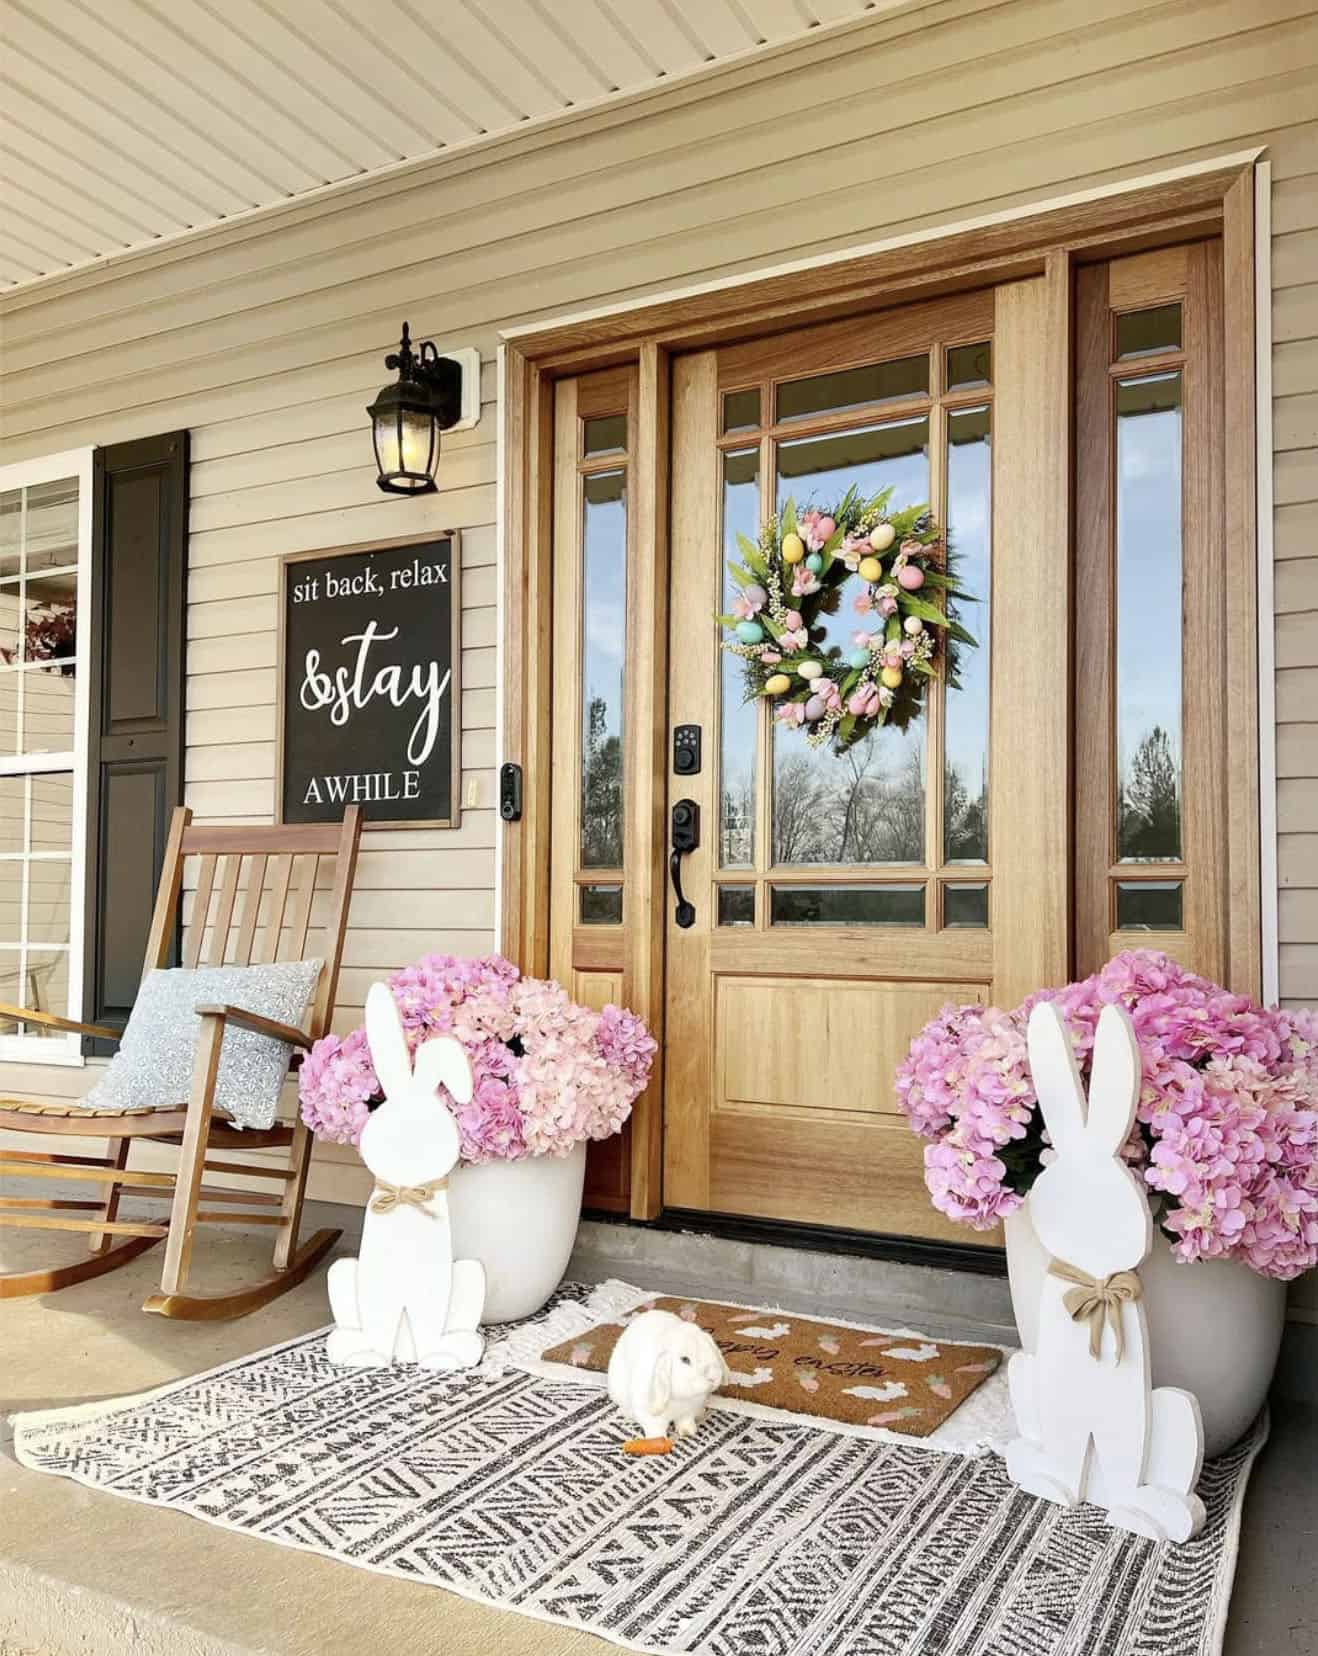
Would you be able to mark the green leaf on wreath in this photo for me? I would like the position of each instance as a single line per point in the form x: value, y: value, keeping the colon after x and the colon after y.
x: 726, y: 620
x: 787, y: 519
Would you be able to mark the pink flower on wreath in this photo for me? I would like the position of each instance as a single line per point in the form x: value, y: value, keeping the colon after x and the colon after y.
x: 852, y: 550
x: 804, y: 581
x: 770, y: 658
x: 790, y: 714
x: 886, y: 605
x: 745, y: 608
x: 794, y: 639
x: 862, y: 603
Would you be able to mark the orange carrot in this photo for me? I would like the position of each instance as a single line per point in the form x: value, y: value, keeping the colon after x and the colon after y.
x: 648, y: 1446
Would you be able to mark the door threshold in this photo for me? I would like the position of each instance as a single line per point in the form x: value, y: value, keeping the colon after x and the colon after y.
x: 826, y: 1239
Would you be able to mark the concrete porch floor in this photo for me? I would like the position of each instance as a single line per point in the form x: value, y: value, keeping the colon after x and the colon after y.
x: 83, y: 1574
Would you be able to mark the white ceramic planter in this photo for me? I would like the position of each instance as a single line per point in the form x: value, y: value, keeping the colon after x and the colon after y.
x: 1214, y: 1326
x: 520, y: 1220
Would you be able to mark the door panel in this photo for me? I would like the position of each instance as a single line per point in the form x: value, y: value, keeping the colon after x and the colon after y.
x: 840, y: 902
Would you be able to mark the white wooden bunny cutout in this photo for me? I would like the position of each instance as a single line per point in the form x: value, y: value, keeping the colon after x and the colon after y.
x: 405, y: 1297
x: 1092, y: 1428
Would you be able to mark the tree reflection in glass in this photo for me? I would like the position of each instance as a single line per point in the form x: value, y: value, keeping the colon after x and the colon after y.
x: 1148, y: 612
x: 604, y: 633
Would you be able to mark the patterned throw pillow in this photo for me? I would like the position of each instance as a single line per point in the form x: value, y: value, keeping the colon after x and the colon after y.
x: 153, y: 1066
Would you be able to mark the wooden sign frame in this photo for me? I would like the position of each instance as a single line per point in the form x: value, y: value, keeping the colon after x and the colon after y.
x: 394, y: 543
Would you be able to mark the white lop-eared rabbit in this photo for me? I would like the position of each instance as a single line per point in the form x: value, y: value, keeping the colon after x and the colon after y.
x: 664, y: 1368
x: 1091, y: 1426
x: 405, y: 1297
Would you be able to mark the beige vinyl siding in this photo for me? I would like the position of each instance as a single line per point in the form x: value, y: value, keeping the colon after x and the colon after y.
x: 266, y: 340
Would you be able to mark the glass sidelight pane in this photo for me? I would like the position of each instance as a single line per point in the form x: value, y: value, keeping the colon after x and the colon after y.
x: 601, y: 905
x: 847, y: 905
x: 966, y: 740
x: 606, y: 434
x: 1148, y: 618
x: 739, y: 719
x: 1149, y: 905
x: 603, y: 638
x: 876, y: 382
x: 868, y: 805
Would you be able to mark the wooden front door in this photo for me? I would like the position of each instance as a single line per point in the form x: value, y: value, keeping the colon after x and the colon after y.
x: 839, y: 902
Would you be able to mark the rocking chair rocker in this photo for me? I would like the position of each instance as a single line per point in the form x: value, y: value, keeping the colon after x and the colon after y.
x: 292, y: 856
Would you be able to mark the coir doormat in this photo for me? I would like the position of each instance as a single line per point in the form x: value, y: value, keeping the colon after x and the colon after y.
x: 800, y: 1366
x: 759, y: 1534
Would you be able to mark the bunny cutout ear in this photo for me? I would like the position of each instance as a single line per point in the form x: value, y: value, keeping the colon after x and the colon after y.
x: 441, y: 1062
x: 388, y: 1043
x: 1056, y: 1077
x: 1114, y: 1080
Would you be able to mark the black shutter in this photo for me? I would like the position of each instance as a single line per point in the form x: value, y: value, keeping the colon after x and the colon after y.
x: 135, y: 744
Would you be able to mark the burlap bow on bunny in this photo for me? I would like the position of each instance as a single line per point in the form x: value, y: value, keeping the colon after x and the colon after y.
x: 1098, y: 1299
x: 387, y: 1197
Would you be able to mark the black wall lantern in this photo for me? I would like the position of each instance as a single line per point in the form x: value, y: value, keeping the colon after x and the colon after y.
x: 407, y: 417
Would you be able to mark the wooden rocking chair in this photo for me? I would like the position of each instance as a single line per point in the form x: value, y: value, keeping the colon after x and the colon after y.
x: 291, y: 856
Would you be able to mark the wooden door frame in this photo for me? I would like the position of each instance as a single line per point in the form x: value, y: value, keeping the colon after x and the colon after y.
x: 1207, y: 199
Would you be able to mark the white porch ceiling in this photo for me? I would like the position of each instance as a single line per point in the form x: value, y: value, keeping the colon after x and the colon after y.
x: 125, y: 121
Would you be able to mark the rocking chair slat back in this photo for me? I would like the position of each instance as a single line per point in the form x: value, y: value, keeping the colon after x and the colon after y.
x: 240, y: 910
x: 201, y: 902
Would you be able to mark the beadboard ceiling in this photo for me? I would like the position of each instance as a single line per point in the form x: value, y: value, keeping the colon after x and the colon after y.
x: 126, y: 121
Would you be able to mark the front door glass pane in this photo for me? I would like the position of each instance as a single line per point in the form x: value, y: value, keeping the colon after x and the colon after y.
x: 969, y: 521
x: 604, y: 631
x: 869, y: 805
x: 1148, y: 606
x: 739, y: 727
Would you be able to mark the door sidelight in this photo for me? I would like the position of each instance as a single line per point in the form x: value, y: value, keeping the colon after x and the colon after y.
x: 686, y: 837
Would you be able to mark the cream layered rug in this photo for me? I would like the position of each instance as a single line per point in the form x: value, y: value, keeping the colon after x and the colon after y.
x: 764, y: 1535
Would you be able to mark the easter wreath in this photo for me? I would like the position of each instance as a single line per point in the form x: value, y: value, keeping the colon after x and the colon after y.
x: 796, y: 573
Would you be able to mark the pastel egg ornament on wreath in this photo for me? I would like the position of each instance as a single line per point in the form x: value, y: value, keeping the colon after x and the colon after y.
x: 750, y: 632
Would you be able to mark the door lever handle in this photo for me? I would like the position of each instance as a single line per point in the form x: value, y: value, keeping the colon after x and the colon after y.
x: 685, y: 914
x: 686, y: 837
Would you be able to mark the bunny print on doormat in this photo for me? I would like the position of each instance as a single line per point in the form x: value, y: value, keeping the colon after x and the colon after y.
x: 1092, y: 1428
x: 405, y: 1298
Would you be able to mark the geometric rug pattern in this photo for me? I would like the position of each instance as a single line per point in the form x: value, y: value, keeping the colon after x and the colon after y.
x: 756, y: 1537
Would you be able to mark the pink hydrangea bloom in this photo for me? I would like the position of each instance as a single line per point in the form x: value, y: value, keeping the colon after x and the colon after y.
x: 1226, y: 1133
x: 547, y: 1073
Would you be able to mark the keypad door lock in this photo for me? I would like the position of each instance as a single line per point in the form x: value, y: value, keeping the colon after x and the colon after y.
x: 686, y: 750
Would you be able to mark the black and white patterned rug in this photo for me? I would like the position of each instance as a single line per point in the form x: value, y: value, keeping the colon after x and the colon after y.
x: 758, y: 1537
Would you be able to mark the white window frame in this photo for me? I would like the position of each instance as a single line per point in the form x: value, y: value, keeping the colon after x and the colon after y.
x: 49, y: 468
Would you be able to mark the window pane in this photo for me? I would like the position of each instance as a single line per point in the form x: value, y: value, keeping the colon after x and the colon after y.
x: 969, y: 365
x: 50, y: 618
x: 47, y: 716
x: 13, y: 811
x: 741, y: 410
x: 847, y: 905
x: 52, y: 813
x: 868, y: 805
x: 739, y: 719
x: 605, y: 435
x: 46, y: 989
x: 1149, y: 905
x: 965, y: 905
x: 11, y: 620
x: 9, y: 682
x: 601, y: 905
x: 966, y: 742
x: 736, y: 905
x: 11, y: 524
x: 11, y: 986
x: 1141, y: 333
x: 603, y: 636
x: 853, y: 388
x: 1148, y: 612
x: 11, y: 900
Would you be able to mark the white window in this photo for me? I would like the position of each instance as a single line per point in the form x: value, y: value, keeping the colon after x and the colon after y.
x: 45, y: 613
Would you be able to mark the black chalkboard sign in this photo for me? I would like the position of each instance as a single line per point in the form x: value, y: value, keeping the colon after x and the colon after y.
x: 369, y: 684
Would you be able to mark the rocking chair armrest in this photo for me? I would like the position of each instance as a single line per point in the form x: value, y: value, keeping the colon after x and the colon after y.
x: 52, y: 1020
x: 259, y: 1025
